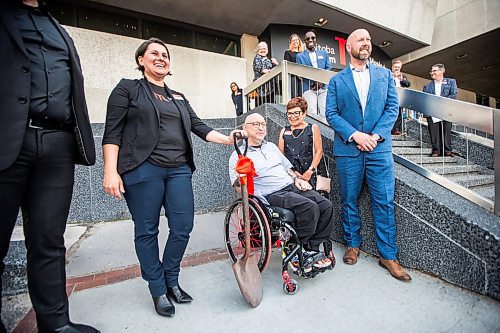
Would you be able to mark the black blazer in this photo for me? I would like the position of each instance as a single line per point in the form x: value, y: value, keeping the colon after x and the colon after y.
x: 15, y: 89
x: 133, y: 123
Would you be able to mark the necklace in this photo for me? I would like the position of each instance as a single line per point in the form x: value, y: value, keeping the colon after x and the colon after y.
x: 295, y: 136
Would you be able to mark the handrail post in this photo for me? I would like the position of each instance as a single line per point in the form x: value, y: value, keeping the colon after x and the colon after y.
x: 286, y: 86
x: 496, y: 157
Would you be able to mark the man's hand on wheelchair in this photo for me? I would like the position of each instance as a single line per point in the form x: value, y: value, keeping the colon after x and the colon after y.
x: 302, y: 184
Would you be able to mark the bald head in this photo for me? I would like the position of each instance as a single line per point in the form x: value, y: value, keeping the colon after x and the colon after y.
x: 359, y: 47
x: 355, y: 35
x: 254, y: 117
x: 255, y: 126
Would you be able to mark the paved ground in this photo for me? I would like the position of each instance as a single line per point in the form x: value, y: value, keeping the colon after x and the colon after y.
x: 357, y: 298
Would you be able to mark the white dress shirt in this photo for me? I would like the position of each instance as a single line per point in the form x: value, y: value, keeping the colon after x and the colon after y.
x: 314, y: 58
x: 362, y: 81
x: 437, y: 92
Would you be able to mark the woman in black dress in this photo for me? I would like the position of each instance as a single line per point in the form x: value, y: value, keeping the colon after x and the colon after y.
x: 301, y: 143
x: 295, y: 47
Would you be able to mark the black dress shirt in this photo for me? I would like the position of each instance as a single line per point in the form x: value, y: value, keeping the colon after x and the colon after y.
x: 49, y: 63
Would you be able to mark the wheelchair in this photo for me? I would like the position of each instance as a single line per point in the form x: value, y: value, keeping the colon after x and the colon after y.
x: 270, y: 226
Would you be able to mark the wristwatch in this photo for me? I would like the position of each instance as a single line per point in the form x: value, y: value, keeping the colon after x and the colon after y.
x: 313, y: 169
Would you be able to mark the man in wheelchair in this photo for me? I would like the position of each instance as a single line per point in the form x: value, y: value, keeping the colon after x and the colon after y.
x: 277, y: 184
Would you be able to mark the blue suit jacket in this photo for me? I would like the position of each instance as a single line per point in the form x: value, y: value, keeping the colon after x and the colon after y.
x: 448, y: 88
x: 323, y: 63
x: 345, y: 116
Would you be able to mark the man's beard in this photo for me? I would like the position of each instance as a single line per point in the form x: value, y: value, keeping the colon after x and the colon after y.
x: 359, y: 56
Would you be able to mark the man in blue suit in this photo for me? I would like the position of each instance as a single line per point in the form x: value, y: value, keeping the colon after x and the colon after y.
x: 440, y: 130
x: 362, y: 106
x: 314, y: 92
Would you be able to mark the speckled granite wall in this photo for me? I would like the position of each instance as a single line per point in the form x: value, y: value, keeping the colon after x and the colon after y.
x: 438, y: 231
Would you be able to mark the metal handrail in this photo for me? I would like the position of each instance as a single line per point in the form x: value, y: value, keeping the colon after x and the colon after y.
x: 482, y: 118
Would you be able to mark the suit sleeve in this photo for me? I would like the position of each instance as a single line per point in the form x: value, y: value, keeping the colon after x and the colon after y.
x: 453, y: 89
x: 386, y: 122
x: 328, y: 64
x: 116, y: 114
x: 333, y: 116
x: 405, y: 83
x: 299, y: 59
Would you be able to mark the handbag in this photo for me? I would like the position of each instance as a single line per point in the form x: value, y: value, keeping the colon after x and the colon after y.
x: 323, y: 183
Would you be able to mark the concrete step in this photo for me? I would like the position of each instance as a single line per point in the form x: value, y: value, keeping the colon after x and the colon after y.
x: 456, y: 169
x: 486, y: 191
x: 407, y: 143
x: 427, y: 160
x: 472, y: 180
x: 411, y: 151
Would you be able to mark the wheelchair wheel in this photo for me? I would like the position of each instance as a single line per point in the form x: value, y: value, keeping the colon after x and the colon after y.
x: 260, y: 236
x: 291, y: 287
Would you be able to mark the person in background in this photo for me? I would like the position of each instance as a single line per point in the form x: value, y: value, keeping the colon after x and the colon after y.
x: 314, y: 92
x: 400, y: 80
x: 295, y: 47
x: 237, y: 97
x: 148, y: 158
x: 44, y: 130
x: 262, y: 65
x: 301, y: 143
x: 363, y: 148
x: 440, y: 130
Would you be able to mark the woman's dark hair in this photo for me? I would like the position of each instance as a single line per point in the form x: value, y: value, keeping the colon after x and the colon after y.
x: 141, y: 50
x: 237, y: 88
x: 297, y: 102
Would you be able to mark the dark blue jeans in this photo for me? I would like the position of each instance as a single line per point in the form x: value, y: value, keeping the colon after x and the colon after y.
x: 147, y: 188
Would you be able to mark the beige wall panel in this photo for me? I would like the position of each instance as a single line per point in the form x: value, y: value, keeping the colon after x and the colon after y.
x: 400, y: 16
x: 457, y: 21
x: 204, y: 77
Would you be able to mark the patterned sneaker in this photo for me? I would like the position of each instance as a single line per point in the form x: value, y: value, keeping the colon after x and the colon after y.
x: 316, y: 259
x: 296, y: 264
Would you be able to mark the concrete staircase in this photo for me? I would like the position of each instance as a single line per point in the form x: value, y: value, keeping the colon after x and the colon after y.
x: 474, y: 177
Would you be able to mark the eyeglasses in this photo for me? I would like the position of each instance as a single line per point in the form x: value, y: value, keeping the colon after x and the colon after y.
x: 434, y: 70
x: 310, y: 38
x: 257, y: 124
x: 294, y: 113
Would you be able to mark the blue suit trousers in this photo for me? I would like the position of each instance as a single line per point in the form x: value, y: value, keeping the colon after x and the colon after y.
x: 378, y: 171
x: 147, y: 188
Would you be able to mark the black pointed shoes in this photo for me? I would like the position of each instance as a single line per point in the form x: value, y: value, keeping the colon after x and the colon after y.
x: 164, y: 306
x: 178, y: 295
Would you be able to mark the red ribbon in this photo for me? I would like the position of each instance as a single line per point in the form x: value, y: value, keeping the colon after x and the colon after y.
x: 246, y: 169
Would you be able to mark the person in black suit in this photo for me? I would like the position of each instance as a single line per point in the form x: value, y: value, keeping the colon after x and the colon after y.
x: 400, y: 80
x: 148, y: 157
x: 45, y: 130
x: 440, y: 130
x: 295, y: 47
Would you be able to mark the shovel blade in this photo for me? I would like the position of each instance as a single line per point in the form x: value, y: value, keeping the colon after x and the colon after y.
x: 249, y: 279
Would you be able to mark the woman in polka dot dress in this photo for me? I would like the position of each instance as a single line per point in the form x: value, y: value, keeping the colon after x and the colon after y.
x: 301, y: 143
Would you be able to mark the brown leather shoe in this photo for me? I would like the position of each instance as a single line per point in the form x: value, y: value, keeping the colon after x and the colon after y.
x: 351, y: 255
x: 395, y: 269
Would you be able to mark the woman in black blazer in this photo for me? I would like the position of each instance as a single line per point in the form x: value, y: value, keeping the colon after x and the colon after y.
x: 148, y: 157
x: 295, y: 47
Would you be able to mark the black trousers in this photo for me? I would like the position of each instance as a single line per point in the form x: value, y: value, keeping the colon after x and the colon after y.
x: 314, y: 214
x: 440, y: 134
x: 399, y: 121
x: 40, y: 182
